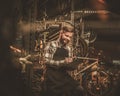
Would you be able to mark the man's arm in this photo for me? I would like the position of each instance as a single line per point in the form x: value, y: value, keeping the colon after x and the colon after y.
x: 49, y: 52
x: 73, y: 63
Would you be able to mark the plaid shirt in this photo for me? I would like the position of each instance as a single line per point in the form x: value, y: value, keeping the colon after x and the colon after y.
x: 50, y: 50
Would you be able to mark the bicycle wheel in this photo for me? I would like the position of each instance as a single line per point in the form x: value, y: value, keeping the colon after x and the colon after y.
x: 98, y: 83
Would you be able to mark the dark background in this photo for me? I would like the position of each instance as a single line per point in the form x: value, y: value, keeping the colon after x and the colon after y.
x: 108, y: 35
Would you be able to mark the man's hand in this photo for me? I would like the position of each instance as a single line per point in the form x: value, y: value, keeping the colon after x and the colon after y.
x: 68, y: 60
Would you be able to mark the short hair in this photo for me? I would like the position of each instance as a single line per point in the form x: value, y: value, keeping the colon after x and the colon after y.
x: 68, y: 27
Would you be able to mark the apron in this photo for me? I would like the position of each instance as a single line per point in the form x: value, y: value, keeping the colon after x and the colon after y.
x: 58, y: 82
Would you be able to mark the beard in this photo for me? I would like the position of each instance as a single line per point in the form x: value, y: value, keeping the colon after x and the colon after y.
x: 64, y: 42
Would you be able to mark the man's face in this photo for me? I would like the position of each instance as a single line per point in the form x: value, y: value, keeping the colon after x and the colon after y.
x: 66, y: 37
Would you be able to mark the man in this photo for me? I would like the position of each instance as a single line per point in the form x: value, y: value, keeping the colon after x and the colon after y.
x: 58, y: 59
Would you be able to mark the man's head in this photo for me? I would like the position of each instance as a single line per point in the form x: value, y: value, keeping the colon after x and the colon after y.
x: 66, y: 33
